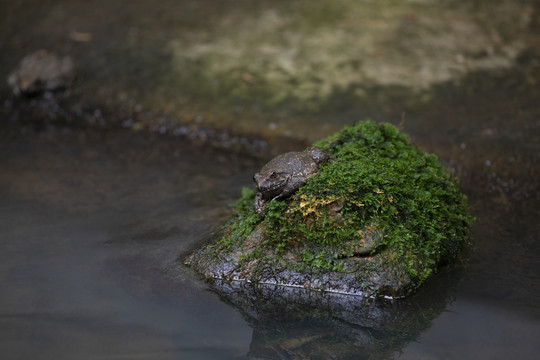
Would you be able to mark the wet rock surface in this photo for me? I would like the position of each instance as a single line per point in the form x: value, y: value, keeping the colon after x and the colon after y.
x: 229, y: 264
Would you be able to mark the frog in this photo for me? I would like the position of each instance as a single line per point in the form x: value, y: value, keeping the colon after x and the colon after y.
x: 285, y: 174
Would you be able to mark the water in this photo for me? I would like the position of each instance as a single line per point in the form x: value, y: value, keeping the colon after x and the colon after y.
x: 94, y: 220
x: 92, y: 226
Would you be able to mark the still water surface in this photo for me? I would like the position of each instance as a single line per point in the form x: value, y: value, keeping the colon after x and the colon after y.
x: 93, y: 223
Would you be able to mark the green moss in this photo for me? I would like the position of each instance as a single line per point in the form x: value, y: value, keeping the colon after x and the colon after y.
x: 244, y: 221
x: 414, y: 212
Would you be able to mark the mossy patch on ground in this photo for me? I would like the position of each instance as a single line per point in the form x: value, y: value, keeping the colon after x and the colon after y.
x: 385, y: 215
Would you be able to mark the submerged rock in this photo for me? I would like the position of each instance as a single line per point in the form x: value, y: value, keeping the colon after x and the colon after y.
x: 378, y: 221
x: 41, y: 71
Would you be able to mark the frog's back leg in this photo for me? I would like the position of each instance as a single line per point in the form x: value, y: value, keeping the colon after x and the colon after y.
x: 293, y: 184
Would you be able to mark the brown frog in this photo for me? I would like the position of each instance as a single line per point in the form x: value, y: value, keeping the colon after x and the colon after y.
x: 285, y: 174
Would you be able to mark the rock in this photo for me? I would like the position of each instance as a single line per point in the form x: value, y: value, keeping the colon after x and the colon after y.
x: 377, y: 222
x: 41, y: 71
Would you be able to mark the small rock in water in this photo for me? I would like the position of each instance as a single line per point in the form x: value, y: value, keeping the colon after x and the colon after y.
x: 363, y: 212
x: 41, y: 71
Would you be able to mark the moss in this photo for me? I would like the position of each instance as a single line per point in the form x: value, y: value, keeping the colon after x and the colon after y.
x: 244, y: 221
x: 382, y: 197
x: 417, y: 205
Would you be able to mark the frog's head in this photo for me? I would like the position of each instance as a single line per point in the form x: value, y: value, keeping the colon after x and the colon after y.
x: 270, y: 183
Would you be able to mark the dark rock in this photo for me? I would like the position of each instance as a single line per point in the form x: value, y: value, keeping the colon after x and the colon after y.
x: 376, y: 222
x: 41, y: 71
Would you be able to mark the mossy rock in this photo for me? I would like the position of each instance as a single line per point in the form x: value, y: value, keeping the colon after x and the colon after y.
x: 378, y: 221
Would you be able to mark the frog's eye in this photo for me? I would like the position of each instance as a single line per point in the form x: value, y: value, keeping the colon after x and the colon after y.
x: 273, y: 175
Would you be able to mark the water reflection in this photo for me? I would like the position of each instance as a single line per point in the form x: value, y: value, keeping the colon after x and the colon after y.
x: 472, y: 329
x: 293, y: 323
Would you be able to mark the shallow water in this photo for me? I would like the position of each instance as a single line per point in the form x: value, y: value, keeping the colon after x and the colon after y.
x: 92, y: 227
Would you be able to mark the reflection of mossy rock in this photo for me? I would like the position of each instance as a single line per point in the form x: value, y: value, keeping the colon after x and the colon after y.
x: 378, y: 221
x: 291, y: 323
